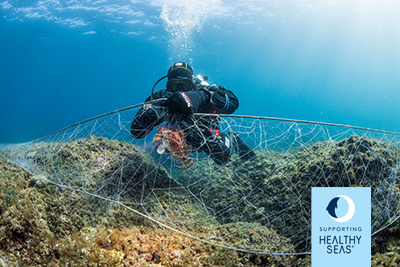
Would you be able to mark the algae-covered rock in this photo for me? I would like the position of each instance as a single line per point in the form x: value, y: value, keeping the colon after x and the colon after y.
x: 146, y: 246
x: 85, y: 212
x: 106, y: 168
x: 51, y: 228
x: 389, y: 259
x: 275, y: 188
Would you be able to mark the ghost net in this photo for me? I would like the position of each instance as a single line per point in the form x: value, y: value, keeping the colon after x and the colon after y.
x: 260, y: 205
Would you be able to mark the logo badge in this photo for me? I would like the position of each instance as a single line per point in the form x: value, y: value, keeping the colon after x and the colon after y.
x: 341, y: 226
x: 333, y: 205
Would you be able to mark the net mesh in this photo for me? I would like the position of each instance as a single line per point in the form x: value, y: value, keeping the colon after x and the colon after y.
x: 261, y: 205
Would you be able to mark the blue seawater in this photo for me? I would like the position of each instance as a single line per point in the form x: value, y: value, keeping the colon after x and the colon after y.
x: 334, y: 61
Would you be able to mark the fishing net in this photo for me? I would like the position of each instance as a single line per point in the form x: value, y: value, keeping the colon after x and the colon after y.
x: 260, y: 205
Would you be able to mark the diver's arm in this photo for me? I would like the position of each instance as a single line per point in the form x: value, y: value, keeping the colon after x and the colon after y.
x: 222, y: 100
x: 148, y: 116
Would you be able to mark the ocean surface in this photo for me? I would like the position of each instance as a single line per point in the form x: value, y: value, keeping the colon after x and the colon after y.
x: 335, y: 61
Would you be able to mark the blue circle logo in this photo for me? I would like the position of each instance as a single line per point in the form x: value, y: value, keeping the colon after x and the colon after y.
x: 333, y: 206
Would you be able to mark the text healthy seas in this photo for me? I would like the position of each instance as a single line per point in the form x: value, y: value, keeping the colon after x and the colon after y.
x: 340, y: 244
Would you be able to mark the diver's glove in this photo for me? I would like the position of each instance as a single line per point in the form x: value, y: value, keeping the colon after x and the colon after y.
x: 186, y: 102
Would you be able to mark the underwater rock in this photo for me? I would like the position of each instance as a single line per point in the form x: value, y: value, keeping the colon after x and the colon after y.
x: 389, y: 259
x: 42, y: 228
x: 275, y: 189
x: 90, y: 163
x: 39, y: 181
x: 249, y: 206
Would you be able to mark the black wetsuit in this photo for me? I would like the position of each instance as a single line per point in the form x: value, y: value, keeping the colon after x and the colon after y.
x: 201, y: 133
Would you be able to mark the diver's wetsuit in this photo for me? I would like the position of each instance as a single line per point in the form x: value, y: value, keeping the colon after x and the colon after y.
x: 201, y: 133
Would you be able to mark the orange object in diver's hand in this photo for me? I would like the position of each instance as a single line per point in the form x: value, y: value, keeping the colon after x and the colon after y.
x: 173, y: 139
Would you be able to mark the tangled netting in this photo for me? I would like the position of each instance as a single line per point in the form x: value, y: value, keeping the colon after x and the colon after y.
x: 262, y: 205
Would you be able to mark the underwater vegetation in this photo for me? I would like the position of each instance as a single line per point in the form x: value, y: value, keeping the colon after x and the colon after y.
x: 44, y: 226
x: 72, y: 211
x: 279, y: 184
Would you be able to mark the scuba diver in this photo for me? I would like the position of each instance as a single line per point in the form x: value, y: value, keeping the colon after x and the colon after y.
x: 183, y: 96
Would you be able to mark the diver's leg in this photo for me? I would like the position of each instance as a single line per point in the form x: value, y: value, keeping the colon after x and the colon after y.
x: 219, y: 149
x: 243, y: 150
x: 222, y: 150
